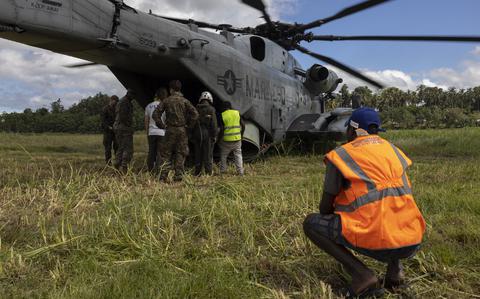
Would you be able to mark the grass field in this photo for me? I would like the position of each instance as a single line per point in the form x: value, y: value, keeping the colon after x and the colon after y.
x: 70, y: 228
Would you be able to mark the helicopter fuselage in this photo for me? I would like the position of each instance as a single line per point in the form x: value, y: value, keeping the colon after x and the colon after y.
x: 145, y: 51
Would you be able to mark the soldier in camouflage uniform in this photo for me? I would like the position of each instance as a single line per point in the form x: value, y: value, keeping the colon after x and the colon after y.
x: 205, y: 134
x: 108, y: 119
x: 123, y: 127
x: 179, y: 115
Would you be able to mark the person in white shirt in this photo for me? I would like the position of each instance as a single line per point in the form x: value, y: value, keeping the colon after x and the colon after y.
x: 154, y: 133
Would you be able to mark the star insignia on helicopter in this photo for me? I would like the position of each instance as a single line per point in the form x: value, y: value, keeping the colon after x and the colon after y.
x: 230, y: 82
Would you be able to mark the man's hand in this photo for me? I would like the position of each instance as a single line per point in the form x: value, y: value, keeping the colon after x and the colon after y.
x: 161, y: 125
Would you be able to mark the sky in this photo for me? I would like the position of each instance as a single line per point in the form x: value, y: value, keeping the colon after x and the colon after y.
x: 33, y: 78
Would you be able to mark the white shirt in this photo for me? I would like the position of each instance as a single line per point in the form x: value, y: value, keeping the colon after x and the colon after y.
x: 153, y: 130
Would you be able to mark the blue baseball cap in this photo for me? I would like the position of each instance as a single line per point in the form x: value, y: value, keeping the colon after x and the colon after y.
x: 362, y: 118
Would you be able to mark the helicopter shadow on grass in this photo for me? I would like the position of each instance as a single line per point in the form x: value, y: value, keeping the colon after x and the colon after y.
x: 295, y: 147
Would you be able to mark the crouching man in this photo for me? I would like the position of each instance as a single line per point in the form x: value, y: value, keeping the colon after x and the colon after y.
x: 367, y: 206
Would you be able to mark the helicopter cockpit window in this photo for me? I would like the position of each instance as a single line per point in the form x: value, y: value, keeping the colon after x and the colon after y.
x: 257, y: 45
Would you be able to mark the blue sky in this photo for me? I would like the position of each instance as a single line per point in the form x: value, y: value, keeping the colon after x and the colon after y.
x: 31, y: 77
x: 400, y: 17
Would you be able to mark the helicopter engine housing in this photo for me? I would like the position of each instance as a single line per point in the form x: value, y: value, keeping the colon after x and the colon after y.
x: 250, y: 141
x: 320, y: 80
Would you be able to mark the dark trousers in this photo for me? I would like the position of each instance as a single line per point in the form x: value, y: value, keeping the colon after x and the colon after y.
x: 203, y: 155
x: 174, y: 146
x: 109, y: 142
x: 330, y: 226
x: 125, y: 149
x: 153, y: 149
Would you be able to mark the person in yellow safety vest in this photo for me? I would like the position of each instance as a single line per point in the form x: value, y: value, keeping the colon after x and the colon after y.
x: 367, y: 206
x: 232, y: 128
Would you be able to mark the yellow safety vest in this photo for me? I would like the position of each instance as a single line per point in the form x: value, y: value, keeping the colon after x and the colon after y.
x: 231, y: 123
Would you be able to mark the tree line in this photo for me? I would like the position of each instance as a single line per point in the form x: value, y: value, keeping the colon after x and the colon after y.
x: 82, y: 117
x: 426, y: 107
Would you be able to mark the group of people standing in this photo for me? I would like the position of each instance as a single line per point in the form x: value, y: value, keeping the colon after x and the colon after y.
x: 171, y: 122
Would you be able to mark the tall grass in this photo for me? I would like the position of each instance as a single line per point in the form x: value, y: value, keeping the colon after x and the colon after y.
x: 71, y: 228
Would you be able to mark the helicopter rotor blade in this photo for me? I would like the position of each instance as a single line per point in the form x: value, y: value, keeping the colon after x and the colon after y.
x: 341, y: 66
x: 81, y: 65
x: 343, y: 13
x: 431, y: 38
x: 259, y: 5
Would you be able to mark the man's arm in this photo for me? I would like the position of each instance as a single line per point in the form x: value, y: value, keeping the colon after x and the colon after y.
x: 123, y: 112
x: 213, y: 124
x: 192, y: 114
x: 221, y: 128
x: 157, y: 115
x: 147, y: 118
x: 326, y: 204
x: 242, y: 124
x: 331, y: 188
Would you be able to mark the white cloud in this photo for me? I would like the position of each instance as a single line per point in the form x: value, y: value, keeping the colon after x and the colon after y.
x: 427, y: 82
x: 216, y: 11
x: 476, y: 51
x: 465, y: 76
x: 8, y: 110
x: 393, y: 78
x: 390, y: 78
x: 31, y: 77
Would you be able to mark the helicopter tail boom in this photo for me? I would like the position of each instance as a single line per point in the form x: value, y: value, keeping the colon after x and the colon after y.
x: 324, y: 126
x: 73, y: 28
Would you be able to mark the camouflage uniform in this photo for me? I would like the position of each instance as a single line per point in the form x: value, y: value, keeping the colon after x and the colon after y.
x: 179, y: 114
x: 204, y: 137
x: 108, y: 119
x: 124, y: 133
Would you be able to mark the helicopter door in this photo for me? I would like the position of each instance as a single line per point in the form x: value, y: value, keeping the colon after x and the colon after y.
x: 278, y: 118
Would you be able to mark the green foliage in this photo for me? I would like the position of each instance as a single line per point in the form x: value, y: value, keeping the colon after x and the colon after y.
x: 398, y: 118
x: 83, y: 117
x: 456, y: 118
x: 57, y: 107
x: 427, y: 107
x: 73, y: 229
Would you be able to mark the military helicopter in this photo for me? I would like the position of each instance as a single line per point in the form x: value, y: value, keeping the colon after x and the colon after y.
x: 250, y: 67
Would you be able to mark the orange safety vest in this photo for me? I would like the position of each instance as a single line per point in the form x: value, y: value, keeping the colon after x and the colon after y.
x: 377, y: 210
